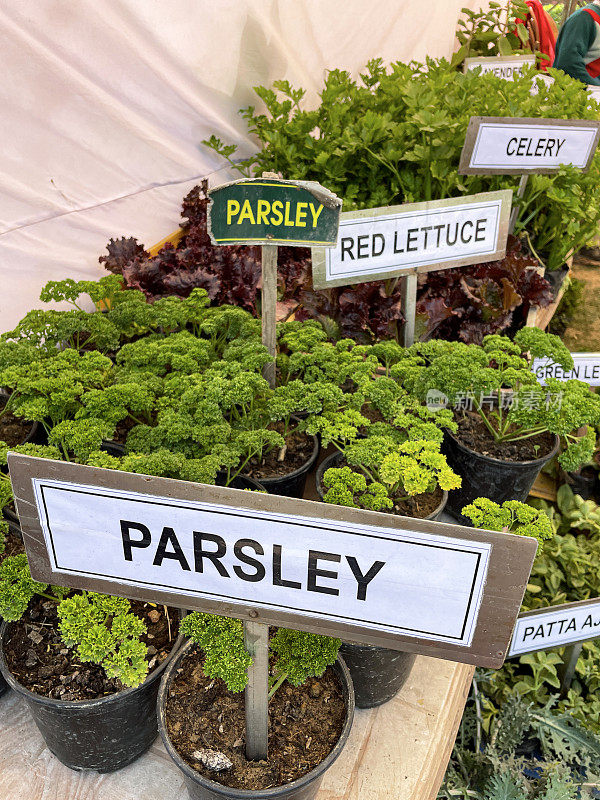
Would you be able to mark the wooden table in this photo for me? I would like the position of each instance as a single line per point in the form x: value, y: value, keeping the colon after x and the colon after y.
x: 398, y: 750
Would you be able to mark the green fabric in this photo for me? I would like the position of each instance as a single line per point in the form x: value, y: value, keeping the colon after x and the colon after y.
x: 578, y: 44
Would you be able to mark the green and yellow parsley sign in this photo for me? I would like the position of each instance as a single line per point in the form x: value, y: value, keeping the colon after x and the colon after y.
x: 273, y: 211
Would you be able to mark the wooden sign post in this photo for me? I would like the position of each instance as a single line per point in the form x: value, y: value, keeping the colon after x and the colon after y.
x: 426, y: 587
x: 404, y: 240
x: 526, y: 146
x: 269, y: 211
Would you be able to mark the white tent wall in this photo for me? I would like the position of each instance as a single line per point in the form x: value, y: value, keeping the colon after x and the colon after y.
x: 104, y: 104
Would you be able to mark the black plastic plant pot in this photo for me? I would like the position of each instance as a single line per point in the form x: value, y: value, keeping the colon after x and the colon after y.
x: 113, y: 448
x: 201, y: 788
x: 484, y: 476
x: 3, y: 686
x: 292, y: 484
x: 335, y: 458
x: 14, y: 524
x: 104, y: 734
x: 239, y: 482
x: 36, y: 434
x: 584, y: 482
x: 377, y: 673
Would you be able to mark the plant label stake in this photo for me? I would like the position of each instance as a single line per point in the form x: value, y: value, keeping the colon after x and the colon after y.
x: 256, y: 642
x: 442, y: 590
x: 586, y: 368
x: 381, y: 243
x: 526, y: 146
x: 269, y: 211
x: 507, y: 67
x: 555, y: 626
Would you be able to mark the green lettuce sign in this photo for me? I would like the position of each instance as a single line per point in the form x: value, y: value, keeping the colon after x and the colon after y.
x: 273, y: 211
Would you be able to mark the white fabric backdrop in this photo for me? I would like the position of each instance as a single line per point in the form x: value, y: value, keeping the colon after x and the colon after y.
x: 104, y: 104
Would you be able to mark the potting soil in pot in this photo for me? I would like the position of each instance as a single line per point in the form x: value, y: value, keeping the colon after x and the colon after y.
x: 473, y: 433
x: 13, y: 430
x: 13, y: 546
x: 41, y: 662
x: 298, y: 449
x: 305, y: 723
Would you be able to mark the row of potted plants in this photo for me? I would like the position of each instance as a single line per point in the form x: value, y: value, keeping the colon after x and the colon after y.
x: 173, y: 388
x: 392, y: 136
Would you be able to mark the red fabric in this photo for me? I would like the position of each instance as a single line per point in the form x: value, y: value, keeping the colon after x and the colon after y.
x: 593, y: 14
x: 547, y: 30
x: 593, y: 67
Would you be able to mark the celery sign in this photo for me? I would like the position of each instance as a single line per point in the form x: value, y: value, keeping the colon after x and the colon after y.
x: 273, y: 211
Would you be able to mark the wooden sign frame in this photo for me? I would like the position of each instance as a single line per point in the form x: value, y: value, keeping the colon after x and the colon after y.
x: 270, y: 181
x: 535, y: 618
x: 510, y: 558
x: 475, y: 123
x: 320, y: 255
x: 481, y: 61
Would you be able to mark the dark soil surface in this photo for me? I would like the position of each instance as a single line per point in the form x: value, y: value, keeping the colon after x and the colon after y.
x: 122, y: 431
x: 298, y: 449
x: 13, y: 430
x: 420, y: 506
x: 41, y: 662
x: 13, y: 546
x: 305, y: 724
x: 473, y: 433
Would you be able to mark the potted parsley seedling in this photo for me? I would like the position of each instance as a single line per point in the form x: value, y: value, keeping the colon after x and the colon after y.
x: 87, y: 665
x: 385, y: 472
x: 209, y: 734
x: 509, y: 425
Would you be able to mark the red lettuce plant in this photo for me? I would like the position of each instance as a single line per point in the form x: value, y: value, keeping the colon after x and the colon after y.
x: 466, y: 303
x: 231, y: 275
x: 469, y: 303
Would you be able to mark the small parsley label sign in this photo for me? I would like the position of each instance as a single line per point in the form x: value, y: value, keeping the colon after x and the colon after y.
x: 273, y: 211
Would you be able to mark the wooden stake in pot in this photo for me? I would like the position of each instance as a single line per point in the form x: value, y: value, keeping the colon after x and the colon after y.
x: 256, y: 642
x: 269, y: 302
x: 268, y: 211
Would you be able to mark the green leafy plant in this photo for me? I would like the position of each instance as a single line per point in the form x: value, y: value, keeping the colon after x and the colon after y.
x: 565, y: 570
x: 101, y: 628
x: 383, y: 472
x: 497, y: 380
x: 497, y: 31
x: 50, y: 390
x: 510, y: 517
x: 395, y: 136
x: 297, y: 655
x: 488, y: 762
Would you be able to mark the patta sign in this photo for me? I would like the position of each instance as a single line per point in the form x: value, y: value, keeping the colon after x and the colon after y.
x: 558, y: 626
x: 415, y: 585
x: 273, y: 211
